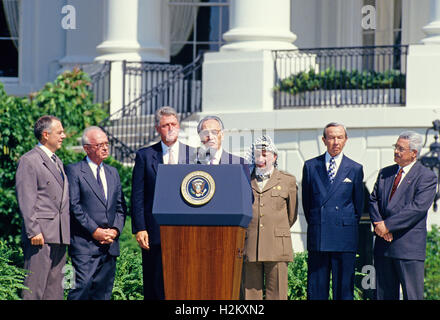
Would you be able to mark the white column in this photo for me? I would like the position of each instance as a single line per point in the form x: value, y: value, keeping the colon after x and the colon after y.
x: 241, y: 76
x: 135, y: 31
x: 81, y: 42
x: 259, y: 25
x: 423, y: 65
x: 432, y: 30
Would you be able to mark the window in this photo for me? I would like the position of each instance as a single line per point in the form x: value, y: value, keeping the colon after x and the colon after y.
x: 196, y: 26
x: 388, y: 32
x: 388, y: 24
x: 9, y: 23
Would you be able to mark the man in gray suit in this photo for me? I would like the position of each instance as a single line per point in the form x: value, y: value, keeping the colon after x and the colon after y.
x: 43, y: 199
x: 399, y: 204
x: 97, y: 209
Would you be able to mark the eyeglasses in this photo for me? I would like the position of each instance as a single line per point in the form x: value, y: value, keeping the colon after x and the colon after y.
x: 399, y: 148
x: 213, y: 132
x: 99, y: 145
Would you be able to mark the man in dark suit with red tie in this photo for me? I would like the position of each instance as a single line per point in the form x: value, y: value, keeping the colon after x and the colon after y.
x: 332, y: 198
x: 167, y: 151
x: 97, y: 208
x: 399, y: 204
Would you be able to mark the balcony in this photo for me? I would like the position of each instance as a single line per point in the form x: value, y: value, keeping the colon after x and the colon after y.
x: 340, y: 77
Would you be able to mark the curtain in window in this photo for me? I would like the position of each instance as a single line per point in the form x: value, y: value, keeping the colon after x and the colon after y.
x: 181, y: 23
x: 11, y: 10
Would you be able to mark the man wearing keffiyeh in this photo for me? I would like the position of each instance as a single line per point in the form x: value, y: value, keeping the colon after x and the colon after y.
x: 268, y: 247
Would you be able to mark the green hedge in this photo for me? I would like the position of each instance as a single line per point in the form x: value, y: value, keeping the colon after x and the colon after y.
x: 297, y: 279
x: 332, y: 79
x: 11, y: 276
x: 432, y: 265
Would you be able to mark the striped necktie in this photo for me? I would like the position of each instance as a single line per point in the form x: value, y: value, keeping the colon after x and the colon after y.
x: 54, y: 159
x: 332, y: 170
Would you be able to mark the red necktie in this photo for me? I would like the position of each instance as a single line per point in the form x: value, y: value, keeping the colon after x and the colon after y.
x: 396, y: 182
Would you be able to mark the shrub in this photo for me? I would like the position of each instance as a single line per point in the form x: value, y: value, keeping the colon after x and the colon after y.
x: 332, y: 79
x: 11, y: 277
x: 297, y: 279
x: 432, y: 265
x: 128, y: 283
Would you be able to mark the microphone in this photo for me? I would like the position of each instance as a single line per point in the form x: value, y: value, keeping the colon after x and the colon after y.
x: 204, y: 154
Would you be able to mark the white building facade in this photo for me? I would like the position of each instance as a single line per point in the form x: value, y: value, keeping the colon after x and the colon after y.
x: 238, y: 37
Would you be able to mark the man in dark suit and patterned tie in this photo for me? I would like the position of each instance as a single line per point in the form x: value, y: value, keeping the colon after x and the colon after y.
x: 211, y: 133
x: 43, y: 199
x: 332, y: 198
x: 399, y: 205
x: 167, y: 151
x: 97, y: 209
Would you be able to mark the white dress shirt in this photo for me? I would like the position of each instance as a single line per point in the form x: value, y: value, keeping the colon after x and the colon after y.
x: 337, y: 158
x: 404, y: 171
x: 94, y: 168
x: 46, y: 150
x: 217, y: 156
x: 166, y: 152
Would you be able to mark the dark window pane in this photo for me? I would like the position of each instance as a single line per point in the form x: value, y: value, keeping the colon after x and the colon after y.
x: 9, y: 60
x: 4, y: 31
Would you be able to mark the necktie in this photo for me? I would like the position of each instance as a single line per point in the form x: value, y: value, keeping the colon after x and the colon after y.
x: 211, y: 161
x: 170, y: 156
x: 332, y: 170
x: 98, y: 178
x: 54, y: 159
x: 396, y: 182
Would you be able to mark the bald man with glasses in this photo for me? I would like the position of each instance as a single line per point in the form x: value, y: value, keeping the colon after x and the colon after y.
x: 98, y: 209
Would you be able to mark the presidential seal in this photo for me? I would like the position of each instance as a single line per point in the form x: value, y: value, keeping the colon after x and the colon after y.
x: 197, y: 188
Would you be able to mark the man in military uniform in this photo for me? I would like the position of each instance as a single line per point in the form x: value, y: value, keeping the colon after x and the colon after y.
x: 268, y: 247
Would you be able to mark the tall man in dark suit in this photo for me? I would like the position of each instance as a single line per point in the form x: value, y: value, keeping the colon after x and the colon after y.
x: 210, y: 130
x: 332, y: 198
x: 399, y: 204
x: 97, y: 209
x: 168, y: 151
x: 43, y: 199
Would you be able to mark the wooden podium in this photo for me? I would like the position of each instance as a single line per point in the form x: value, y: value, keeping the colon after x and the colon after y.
x: 202, y: 245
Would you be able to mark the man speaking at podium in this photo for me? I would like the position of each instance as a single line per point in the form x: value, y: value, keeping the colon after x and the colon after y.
x: 210, y: 130
x: 168, y: 151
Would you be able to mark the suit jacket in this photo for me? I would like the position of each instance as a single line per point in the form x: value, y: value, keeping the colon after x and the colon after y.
x: 89, y: 209
x: 274, y: 212
x: 143, y: 184
x: 43, y: 197
x: 332, y: 210
x: 227, y: 158
x: 405, y: 215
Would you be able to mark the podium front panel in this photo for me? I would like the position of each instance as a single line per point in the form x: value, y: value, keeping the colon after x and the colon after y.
x: 231, y: 204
